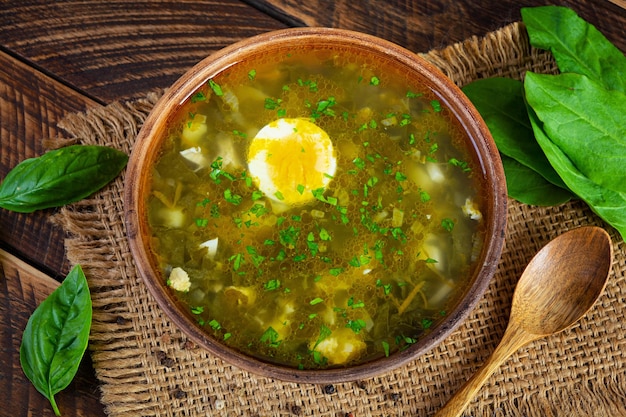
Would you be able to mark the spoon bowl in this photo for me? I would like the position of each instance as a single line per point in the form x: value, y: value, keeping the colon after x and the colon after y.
x: 563, y: 281
x: 559, y: 285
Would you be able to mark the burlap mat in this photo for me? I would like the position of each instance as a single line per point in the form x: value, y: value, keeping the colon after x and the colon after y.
x: 146, y: 367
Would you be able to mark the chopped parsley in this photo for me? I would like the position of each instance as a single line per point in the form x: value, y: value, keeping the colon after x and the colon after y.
x: 271, y: 285
x: 216, y: 88
x: 270, y: 337
x: 447, y: 224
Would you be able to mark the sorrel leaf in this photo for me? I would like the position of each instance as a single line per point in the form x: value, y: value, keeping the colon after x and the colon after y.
x: 60, y: 177
x: 586, y: 121
x: 500, y: 102
x: 576, y: 45
x: 609, y: 205
x: 527, y: 186
x: 56, y: 336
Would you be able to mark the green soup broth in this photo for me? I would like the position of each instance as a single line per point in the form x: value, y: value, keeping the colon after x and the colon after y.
x: 363, y: 266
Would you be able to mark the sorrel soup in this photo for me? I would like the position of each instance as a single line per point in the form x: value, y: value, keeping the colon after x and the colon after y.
x: 316, y: 209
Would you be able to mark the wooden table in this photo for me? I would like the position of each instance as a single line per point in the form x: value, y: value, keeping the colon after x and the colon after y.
x: 66, y: 56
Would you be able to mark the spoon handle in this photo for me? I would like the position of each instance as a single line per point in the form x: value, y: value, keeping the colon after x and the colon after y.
x: 512, y: 340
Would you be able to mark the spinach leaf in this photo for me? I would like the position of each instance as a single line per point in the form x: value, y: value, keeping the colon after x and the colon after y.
x: 527, y: 186
x: 500, y: 102
x: 586, y: 121
x: 609, y: 205
x: 56, y: 336
x: 576, y: 45
x: 60, y: 177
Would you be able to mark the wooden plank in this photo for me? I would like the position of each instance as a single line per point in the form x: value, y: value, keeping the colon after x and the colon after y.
x: 117, y: 52
x: 22, y: 288
x: 31, y: 104
x: 422, y: 26
x: 620, y: 3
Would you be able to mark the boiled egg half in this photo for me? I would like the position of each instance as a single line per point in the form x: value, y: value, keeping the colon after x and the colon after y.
x: 290, y: 158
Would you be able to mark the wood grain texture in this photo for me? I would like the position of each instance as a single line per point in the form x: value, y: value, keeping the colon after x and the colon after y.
x: 69, y: 55
x: 112, y: 51
x: 22, y: 288
x: 424, y: 25
x: 31, y: 104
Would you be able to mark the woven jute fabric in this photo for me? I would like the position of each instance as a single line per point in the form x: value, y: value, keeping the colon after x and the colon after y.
x: 147, y: 367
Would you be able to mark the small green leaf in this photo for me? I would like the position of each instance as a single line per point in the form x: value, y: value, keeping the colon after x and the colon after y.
x: 56, y: 336
x: 385, y: 348
x: 271, y: 285
x: 271, y: 337
x: 325, y: 332
x: 447, y: 224
x: 216, y: 88
x: 356, y: 325
x: 60, y: 177
x: 316, y: 300
x: 235, y: 199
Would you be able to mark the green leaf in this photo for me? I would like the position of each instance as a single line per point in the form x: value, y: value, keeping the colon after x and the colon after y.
x: 60, y: 177
x: 576, y: 45
x: 609, y: 205
x: 271, y: 337
x: 525, y: 185
x: 586, y: 121
x: 325, y: 332
x: 56, y: 336
x: 500, y: 102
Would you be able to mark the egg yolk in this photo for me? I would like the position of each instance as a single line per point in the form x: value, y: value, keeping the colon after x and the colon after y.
x: 289, y: 158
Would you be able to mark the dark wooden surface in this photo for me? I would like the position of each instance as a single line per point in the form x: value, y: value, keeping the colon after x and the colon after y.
x: 66, y: 56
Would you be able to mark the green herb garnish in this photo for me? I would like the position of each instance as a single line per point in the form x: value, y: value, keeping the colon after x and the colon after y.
x: 356, y: 325
x: 216, y: 88
x: 272, y: 285
x: 316, y: 301
x: 235, y: 199
x: 447, y: 224
x: 271, y: 337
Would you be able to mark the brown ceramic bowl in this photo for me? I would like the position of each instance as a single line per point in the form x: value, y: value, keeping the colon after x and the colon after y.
x: 154, y: 130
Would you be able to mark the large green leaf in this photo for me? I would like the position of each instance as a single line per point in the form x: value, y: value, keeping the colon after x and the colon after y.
x: 527, y: 186
x: 609, y: 205
x: 56, y: 336
x: 586, y: 121
x: 60, y: 177
x: 500, y: 102
x: 576, y: 45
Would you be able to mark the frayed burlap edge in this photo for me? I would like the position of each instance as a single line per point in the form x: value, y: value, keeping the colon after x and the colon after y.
x: 146, y: 366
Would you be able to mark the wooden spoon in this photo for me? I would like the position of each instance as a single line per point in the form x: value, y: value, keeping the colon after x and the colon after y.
x: 559, y: 285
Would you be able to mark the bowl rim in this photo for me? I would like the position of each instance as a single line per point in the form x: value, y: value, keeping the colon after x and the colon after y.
x: 470, y: 120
